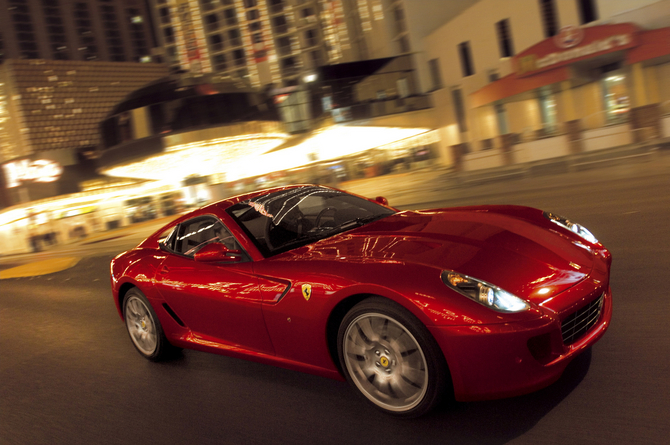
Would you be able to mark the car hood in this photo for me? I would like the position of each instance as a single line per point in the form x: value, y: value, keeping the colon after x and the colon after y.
x: 512, y: 247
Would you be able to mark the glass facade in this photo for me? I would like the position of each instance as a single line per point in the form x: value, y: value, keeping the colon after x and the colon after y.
x: 616, y: 100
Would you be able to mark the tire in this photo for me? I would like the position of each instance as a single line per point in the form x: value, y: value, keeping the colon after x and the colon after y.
x: 144, y: 328
x: 389, y: 356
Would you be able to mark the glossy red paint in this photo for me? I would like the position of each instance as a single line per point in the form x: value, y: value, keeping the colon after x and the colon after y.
x: 256, y: 309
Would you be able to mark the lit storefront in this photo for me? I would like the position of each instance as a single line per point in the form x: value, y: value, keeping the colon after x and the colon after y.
x: 187, y: 140
x: 585, y: 89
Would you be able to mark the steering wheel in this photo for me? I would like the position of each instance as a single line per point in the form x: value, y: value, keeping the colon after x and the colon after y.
x: 318, y: 217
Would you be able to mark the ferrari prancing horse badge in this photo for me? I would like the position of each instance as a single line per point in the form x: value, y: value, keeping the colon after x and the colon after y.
x: 307, y: 291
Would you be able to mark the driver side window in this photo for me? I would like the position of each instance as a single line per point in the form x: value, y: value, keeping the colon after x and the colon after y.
x: 193, y: 235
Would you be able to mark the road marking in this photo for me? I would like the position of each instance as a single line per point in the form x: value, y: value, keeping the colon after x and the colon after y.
x: 39, y: 268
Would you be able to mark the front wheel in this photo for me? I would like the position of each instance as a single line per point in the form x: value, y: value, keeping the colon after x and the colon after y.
x: 144, y: 328
x: 391, y: 358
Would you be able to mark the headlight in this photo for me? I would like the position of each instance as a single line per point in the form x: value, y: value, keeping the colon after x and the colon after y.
x: 484, y: 293
x: 573, y: 227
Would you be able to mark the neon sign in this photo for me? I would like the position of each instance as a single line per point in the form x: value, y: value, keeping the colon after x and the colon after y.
x: 42, y: 170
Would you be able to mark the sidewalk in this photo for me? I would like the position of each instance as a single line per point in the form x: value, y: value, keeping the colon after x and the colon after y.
x: 434, y: 184
x: 63, y: 256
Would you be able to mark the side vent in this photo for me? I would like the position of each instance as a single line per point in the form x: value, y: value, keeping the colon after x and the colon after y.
x: 174, y: 316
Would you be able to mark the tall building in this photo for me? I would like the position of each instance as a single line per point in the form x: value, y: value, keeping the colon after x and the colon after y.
x: 50, y: 111
x: 521, y: 81
x: 92, y: 30
x: 273, y: 41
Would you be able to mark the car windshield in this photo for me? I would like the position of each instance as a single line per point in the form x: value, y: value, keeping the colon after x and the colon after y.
x: 286, y: 219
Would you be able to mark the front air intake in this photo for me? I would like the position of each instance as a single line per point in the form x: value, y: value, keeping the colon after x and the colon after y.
x: 578, y: 323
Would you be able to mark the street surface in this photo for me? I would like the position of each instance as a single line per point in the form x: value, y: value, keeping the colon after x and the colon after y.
x: 69, y: 374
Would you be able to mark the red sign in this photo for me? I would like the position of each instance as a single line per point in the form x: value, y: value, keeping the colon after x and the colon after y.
x: 573, y: 44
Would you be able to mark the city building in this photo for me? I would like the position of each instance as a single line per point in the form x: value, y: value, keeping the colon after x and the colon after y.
x: 90, y: 30
x: 50, y: 112
x: 276, y: 42
x: 265, y: 42
x: 521, y: 81
x: 51, y: 99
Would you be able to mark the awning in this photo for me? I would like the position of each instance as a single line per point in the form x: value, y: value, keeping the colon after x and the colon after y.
x: 549, y: 61
x: 512, y: 85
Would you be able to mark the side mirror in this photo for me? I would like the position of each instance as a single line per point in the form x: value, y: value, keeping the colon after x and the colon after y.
x: 217, y: 252
x: 381, y: 200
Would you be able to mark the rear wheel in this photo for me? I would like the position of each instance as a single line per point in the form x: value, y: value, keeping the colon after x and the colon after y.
x: 389, y: 356
x: 144, y: 328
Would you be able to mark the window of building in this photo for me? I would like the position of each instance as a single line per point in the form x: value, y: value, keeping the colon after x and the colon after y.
x: 504, y: 38
x: 207, y: 5
x: 459, y: 109
x: 311, y: 38
x: 399, y: 20
x: 238, y: 57
x: 435, y: 73
x: 234, y: 37
x: 547, y: 109
x: 55, y: 30
x: 110, y: 25
x: 220, y: 62
x: 403, y: 44
x: 165, y: 15
x: 615, y: 95
x: 466, y: 59
x: 253, y: 14
x: 587, y: 11
x: 230, y: 17
x: 549, y: 18
x: 169, y: 34
x: 254, y: 27
x: 276, y: 5
x: 284, y: 46
x: 138, y: 38
x: 216, y: 42
x: 211, y: 22
x: 288, y: 66
x: 280, y: 24
x: 23, y: 24
x: 501, y: 118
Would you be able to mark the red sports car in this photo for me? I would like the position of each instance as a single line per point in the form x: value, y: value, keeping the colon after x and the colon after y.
x: 481, y: 302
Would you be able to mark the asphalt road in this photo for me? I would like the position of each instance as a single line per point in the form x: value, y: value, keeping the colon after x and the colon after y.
x: 69, y: 374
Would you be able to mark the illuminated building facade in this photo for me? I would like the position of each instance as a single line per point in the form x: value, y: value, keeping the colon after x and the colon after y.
x: 189, y: 130
x: 276, y: 42
x: 50, y: 111
x: 521, y: 81
x: 92, y: 30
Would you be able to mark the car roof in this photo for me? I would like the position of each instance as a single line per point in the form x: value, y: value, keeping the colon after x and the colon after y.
x: 228, y: 202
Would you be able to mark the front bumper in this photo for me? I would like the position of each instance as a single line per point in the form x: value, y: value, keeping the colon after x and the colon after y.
x: 511, y: 359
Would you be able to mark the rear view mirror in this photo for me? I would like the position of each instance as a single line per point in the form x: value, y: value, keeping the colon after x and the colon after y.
x: 381, y: 200
x: 217, y: 252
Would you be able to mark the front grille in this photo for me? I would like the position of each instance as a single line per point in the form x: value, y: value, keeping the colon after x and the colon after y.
x: 578, y: 323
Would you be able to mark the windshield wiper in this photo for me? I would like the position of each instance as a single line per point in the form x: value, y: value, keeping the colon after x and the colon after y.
x: 357, y: 222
